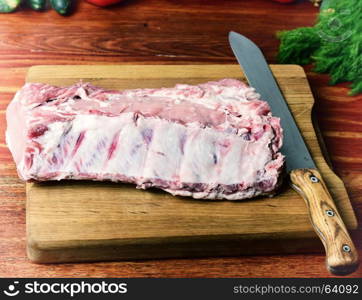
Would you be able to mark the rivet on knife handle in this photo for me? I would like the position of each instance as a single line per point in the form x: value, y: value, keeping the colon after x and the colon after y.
x: 341, y: 254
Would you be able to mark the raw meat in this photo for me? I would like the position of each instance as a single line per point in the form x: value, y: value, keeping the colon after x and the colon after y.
x: 215, y: 140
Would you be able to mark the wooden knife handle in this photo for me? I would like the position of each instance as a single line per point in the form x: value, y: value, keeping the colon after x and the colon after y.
x: 341, y: 254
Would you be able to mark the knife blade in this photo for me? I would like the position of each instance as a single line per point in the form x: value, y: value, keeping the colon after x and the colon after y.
x: 341, y: 254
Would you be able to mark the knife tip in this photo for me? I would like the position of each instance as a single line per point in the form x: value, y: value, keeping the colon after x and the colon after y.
x: 232, y: 35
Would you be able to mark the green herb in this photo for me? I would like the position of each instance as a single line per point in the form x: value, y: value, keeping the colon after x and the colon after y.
x: 334, y: 44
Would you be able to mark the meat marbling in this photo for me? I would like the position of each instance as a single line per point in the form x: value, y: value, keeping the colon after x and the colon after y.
x: 215, y: 140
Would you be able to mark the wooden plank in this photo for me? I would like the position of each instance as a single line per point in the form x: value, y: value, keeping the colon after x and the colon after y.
x: 80, y: 221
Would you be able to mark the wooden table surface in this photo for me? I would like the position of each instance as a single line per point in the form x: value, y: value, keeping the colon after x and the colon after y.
x: 168, y: 32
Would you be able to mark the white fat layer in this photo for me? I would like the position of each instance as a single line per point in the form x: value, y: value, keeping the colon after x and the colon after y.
x: 164, y: 156
x: 148, y: 149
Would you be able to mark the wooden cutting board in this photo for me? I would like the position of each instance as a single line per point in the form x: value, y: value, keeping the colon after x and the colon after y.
x: 92, y: 221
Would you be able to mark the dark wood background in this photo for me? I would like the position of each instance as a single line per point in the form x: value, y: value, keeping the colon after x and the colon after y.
x: 161, y: 31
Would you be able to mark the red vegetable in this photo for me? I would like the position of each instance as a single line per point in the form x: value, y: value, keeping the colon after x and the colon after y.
x: 104, y: 2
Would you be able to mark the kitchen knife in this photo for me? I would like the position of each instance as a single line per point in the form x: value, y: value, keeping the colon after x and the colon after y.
x: 341, y: 254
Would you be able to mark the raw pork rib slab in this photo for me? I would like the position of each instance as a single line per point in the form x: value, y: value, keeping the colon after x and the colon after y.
x: 215, y: 140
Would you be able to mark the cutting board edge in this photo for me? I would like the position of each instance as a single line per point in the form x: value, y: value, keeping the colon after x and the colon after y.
x: 178, y: 248
x: 84, y: 70
x: 59, y: 244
